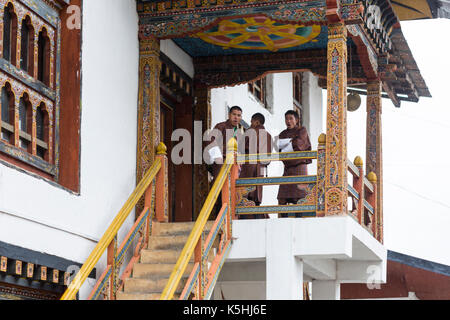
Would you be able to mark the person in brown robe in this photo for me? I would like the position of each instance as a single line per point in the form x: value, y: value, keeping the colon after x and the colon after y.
x: 294, y: 138
x: 228, y: 129
x: 263, y: 141
x: 217, y: 149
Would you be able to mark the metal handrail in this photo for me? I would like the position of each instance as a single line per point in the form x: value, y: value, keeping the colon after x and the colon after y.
x: 111, y: 232
x: 197, y: 230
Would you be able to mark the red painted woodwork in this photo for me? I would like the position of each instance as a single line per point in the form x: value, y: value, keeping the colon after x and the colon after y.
x: 402, y: 279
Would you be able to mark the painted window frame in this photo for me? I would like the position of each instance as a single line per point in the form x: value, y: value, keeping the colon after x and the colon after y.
x: 45, y: 18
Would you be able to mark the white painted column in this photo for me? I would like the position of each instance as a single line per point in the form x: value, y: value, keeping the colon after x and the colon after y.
x: 284, y: 272
x: 326, y: 290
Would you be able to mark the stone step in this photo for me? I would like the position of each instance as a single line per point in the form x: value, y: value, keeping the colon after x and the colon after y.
x: 156, y: 270
x: 135, y: 285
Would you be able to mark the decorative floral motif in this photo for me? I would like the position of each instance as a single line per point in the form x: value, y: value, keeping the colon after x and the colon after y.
x: 258, y: 33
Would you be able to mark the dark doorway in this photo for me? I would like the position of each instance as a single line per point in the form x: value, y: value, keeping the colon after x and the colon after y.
x: 177, y: 115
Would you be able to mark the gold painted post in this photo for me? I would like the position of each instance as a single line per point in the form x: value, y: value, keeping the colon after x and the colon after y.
x: 372, y: 200
x: 374, y: 149
x: 161, y: 199
x: 320, y: 194
x: 148, y: 103
x: 336, y: 139
x: 358, y: 184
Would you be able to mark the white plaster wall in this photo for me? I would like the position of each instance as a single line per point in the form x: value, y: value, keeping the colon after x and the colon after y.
x: 282, y: 100
x: 39, y: 216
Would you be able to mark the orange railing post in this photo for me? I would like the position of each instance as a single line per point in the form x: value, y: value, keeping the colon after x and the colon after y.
x: 198, y: 253
x: 111, y: 261
x: 372, y: 199
x: 148, y: 195
x: 358, y: 185
x: 161, y: 197
x: 232, y: 147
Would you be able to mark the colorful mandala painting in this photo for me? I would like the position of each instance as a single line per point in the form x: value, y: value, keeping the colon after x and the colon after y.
x: 259, y: 33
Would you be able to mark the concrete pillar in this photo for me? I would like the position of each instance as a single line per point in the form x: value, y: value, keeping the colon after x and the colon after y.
x: 326, y: 290
x: 284, y: 272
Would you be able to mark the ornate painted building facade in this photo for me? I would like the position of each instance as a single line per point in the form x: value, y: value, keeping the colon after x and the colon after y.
x: 89, y: 90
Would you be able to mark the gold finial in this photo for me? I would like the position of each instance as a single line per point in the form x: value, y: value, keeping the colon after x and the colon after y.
x: 232, y: 145
x: 161, y: 149
x: 358, y: 161
x: 322, y: 138
x: 372, y: 177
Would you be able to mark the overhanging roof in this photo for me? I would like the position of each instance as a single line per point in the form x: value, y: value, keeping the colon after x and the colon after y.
x: 421, y: 9
x: 217, y: 33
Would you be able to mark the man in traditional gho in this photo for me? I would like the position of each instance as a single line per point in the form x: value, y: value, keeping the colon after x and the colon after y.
x: 217, y: 149
x: 294, y: 138
x: 221, y: 134
x: 257, y: 141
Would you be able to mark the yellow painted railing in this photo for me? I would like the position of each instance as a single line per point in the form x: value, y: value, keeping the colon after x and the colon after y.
x: 108, y: 242
x: 194, y: 245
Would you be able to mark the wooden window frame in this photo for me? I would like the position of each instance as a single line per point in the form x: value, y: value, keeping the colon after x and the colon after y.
x: 29, y: 44
x: 13, y: 27
x: 258, y: 89
x: 297, y: 86
x: 60, y: 64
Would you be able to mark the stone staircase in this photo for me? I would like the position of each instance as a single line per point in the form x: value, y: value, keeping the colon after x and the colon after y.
x: 151, y: 274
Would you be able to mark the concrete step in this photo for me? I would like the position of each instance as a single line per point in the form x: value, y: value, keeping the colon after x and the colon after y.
x: 142, y: 296
x: 135, y: 285
x: 167, y: 242
x: 176, y: 228
x: 161, y: 256
x: 137, y: 296
x: 156, y: 270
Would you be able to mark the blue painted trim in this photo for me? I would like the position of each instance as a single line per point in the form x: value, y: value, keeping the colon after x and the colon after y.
x: 276, y: 180
x: 278, y: 209
x: 12, y: 71
x: 208, y: 248
x: 299, y: 155
x: 45, y: 11
x: 131, y: 238
x: 419, y: 263
x: 22, y: 155
x: 368, y: 185
x: 214, y: 280
x: 102, y: 285
x: 191, y: 285
x: 368, y: 206
x: 353, y: 192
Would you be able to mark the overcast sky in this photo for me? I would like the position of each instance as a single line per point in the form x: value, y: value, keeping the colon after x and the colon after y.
x: 416, y: 150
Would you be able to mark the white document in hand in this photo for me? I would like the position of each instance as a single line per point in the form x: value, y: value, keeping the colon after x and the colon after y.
x: 283, y: 143
x: 288, y: 148
x: 215, y: 153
